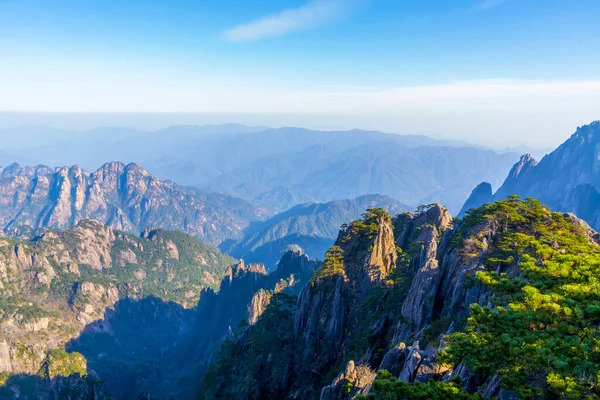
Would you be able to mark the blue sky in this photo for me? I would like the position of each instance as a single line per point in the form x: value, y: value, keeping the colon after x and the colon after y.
x: 440, y: 67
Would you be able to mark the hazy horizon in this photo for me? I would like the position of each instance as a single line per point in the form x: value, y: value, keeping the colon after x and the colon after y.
x: 149, y: 122
x: 498, y: 73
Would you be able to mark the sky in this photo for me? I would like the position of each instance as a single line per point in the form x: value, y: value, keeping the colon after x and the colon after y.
x: 492, y: 72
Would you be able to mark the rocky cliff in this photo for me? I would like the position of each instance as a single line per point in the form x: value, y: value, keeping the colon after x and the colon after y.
x: 567, y: 179
x: 487, y: 306
x: 244, y: 294
x: 124, y: 197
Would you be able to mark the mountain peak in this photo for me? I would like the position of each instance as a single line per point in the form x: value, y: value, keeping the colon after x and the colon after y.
x: 480, y: 195
x: 112, y: 166
x: 586, y: 134
x: 524, y: 162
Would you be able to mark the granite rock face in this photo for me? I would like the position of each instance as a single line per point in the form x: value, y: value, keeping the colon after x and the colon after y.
x: 388, y: 294
x: 358, y: 377
x: 426, y: 230
x: 327, y: 307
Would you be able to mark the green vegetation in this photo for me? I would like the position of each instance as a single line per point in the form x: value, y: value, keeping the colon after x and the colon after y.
x: 32, y: 312
x: 433, y: 331
x: 171, y: 265
x: 249, y: 366
x: 333, y: 265
x: 542, y: 335
x: 387, y: 387
x: 173, y: 277
x: 60, y: 363
x: 24, y: 352
x: 366, y: 227
x: 4, y: 376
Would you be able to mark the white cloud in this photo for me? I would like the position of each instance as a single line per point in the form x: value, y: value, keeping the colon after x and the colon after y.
x: 487, y: 4
x: 310, y: 15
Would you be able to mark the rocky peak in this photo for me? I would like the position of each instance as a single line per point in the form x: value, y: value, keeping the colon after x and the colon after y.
x: 517, y: 176
x: 258, y: 305
x: 11, y: 170
x: 369, y: 250
x: 243, y: 271
x: 427, y: 229
x: 111, y: 168
x: 368, y: 263
x: 295, y: 262
x: 526, y: 161
x: 436, y: 215
x: 135, y: 169
x: 480, y: 195
x: 384, y: 255
x: 588, y: 133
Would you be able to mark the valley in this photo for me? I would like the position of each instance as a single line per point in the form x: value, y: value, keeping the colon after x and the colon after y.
x: 116, y: 284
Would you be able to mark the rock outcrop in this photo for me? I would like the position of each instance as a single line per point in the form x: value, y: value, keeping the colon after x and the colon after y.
x: 396, y: 296
x: 327, y: 308
x: 426, y: 230
x: 354, y: 381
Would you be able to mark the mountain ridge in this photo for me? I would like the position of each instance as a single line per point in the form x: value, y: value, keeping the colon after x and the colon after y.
x: 567, y: 179
x: 311, y: 165
x: 125, y: 196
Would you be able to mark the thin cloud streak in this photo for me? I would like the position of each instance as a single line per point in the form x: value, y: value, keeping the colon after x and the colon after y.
x: 313, y: 14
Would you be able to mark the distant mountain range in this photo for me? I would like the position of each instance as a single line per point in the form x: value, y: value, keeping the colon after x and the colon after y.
x: 312, y: 226
x: 276, y: 168
x: 567, y: 179
x: 125, y: 197
x: 130, y: 199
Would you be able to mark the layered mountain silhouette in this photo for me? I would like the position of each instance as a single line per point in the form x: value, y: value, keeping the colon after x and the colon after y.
x: 567, y: 179
x: 280, y: 168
